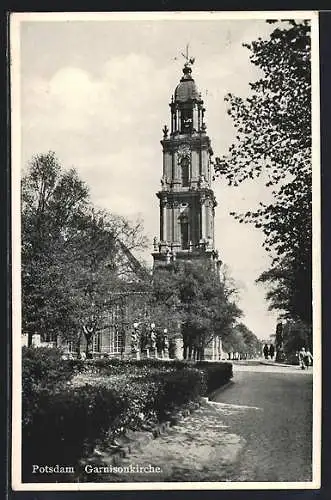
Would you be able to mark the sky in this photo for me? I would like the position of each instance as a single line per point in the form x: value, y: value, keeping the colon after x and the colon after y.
x: 97, y: 93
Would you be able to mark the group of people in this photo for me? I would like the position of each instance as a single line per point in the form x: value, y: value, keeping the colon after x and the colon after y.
x: 304, y: 355
x: 268, y: 351
x: 305, y: 358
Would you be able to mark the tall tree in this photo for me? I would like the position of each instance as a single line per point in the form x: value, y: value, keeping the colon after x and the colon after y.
x: 193, y: 297
x: 72, y: 253
x: 51, y: 201
x: 274, y: 141
x: 99, y: 268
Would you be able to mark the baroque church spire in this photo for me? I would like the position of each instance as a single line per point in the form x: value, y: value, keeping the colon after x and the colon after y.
x: 187, y: 201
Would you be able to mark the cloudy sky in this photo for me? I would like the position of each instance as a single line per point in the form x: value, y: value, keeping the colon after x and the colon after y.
x: 97, y: 93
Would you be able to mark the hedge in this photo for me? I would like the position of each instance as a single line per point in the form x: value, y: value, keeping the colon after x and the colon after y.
x: 217, y: 374
x: 61, y: 421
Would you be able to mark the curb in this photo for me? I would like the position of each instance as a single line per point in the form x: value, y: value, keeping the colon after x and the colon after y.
x: 220, y: 389
x: 277, y: 364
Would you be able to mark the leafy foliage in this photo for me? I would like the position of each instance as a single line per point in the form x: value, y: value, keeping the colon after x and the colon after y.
x: 242, y: 340
x: 78, y: 417
x: 72, y: 253
x: 274, y: 141
x: 297, y: 334
x: 51, y: 201
x: 196, y: 302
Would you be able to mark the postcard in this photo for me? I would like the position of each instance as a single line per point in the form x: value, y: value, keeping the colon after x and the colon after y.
x: 166, y: 318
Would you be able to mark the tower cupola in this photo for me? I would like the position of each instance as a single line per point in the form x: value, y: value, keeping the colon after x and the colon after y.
x: 186, y: 90
x: 187, y: 111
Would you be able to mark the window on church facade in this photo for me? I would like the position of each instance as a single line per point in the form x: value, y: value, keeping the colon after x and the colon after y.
x: 185, y: 165
x: 96, y: 342
x: 184, y: 235
x: 49, y: 337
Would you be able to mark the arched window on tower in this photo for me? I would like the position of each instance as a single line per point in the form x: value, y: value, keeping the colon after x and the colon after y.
x: 185, y: 167
x: 186, y: 120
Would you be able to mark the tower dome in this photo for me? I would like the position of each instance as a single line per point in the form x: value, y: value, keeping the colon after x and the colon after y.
x: 186, y: 90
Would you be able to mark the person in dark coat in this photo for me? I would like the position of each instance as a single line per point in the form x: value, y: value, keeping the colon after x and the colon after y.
x: 266, y: 351
x: 271, y: 351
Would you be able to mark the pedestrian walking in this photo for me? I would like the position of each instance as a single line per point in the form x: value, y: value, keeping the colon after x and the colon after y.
x: 308, y: 358
x: 266, y: 351
x: 271, y: 351
x: 305, y: 358
x: 301, y: 356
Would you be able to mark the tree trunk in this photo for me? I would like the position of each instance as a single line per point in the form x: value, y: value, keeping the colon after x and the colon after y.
x: 88, y: 338
x: 78, y: 344
x: 88, y: 342
x: 30, y: 339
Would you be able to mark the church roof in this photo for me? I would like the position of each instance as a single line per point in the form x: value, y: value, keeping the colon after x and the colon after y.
x: 186, y: 90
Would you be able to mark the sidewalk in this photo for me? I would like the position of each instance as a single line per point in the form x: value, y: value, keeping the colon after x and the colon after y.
x: 200, y: 447
x: 273, y: 363
x: 260, y: 361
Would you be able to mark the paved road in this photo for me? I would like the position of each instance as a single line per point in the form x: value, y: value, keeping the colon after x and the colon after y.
x: 271, y: 408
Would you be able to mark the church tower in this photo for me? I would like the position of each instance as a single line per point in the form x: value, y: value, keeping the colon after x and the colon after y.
x: 187, y: 201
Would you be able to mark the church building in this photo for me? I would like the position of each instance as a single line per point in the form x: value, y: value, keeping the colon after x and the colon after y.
x: 187, y: 212
x: 187, y: 201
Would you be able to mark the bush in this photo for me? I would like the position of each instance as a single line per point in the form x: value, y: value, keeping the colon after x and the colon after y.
x: 44, y: 366
x: 42, y: 370
x: 68, y: 424
x: 217, y: 374
x: 72, y: 421
x: 63, y: 420
x: 178, y: 388
x: 111, y: 366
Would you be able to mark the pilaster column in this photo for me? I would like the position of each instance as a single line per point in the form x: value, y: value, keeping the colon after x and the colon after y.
x: 164, y: 217
x: 195, y: 118
x: 177, y: 120
x: 203, y: 218
x: 176, y: 234
x: 161, y: 223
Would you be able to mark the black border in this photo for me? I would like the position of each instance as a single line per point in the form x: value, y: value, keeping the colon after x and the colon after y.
x: 5, y: 245
x: 325, y: 96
